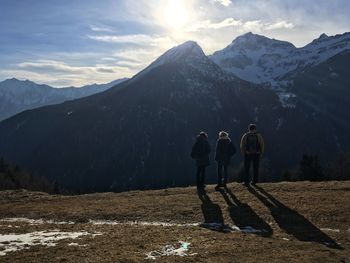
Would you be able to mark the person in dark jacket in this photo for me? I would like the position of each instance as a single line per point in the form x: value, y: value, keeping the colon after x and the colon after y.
x: 225, y: 149
x: 200, y: 153
x: 252, y: 147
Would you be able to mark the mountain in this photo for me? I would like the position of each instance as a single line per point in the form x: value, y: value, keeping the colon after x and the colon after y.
x: 17, y: 95
x: 263, y: 60
x: 138, y: 134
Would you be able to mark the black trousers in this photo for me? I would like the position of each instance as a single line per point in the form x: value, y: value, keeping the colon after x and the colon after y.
x: 248, y: 159
x: 220, y: 168
x: 200, y: 176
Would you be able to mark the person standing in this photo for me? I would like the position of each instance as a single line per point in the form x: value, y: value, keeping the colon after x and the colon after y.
x: 225, y: 149
x: 252, y: 147
x: 200, y: 153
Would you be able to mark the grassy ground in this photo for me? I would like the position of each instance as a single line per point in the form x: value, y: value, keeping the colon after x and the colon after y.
x: 301, y: 222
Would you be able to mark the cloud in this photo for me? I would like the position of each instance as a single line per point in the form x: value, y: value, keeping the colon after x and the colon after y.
x: 60, y: 74
x: 137, y: 59
x: 140, y: 39
x: 100, y: 29
x: 105, y: 70
x: 223, y: 2
x: 207, y: 24
x: 49, y: 65
x: 242, y: 26
x: 280, y: 25
x: 61, y: 67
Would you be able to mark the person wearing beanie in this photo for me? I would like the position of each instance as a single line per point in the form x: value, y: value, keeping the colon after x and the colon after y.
x: 200, y: 153
x: 225, y: 149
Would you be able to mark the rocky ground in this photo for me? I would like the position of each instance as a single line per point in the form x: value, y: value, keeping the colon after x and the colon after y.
x: 282, y: 222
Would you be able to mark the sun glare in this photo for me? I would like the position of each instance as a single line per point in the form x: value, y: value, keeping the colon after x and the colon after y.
x: 176, y: 14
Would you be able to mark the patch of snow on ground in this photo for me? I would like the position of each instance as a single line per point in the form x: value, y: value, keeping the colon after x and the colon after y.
x: 330, y: 230
x: 217, y: 227
x: 73, y: 244
x: 226, y: 228
x: 15, y: 242
x: 141, y: 223
x: 171, y: 250
x: 35, y: 221
x: 212, y: 226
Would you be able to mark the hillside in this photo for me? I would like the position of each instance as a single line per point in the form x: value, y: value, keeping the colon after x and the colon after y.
x: 284, y: 222
x: 17, y: 95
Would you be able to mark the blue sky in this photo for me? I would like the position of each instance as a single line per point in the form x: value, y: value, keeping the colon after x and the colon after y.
x: 78, y: 42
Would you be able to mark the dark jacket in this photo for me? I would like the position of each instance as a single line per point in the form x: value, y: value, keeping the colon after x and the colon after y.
x: 225, y: 149
x: 200, y: 151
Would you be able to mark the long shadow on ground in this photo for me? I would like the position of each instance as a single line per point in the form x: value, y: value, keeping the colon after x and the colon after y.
x: 291, y: 221
x: 244, y: 216
x: 213, y: 218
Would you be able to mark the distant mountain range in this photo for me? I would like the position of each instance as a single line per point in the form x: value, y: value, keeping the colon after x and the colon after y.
x: 17, y: 95
x: 138, y: 134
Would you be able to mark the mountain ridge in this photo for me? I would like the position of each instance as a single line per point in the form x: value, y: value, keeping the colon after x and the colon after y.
x: 138, y: 134
x: 19, y: 95
x: 269, y: 61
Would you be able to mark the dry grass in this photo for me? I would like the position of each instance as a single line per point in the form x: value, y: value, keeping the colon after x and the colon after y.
x: 293, y: 211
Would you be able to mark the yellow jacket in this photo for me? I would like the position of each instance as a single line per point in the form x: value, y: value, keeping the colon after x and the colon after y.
x: 244, y: 142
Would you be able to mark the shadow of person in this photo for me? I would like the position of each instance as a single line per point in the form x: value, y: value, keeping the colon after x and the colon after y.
x: 291, y: 221
x: 213, y: 218
x: 244, y: 217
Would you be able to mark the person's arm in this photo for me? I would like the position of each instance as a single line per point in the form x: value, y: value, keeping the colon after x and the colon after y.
x: 194, y: 152
x: 233, y: 148
x: 262, y: 144
x: 216, y: 150
x: 242, y: 144
x: 208, y: 148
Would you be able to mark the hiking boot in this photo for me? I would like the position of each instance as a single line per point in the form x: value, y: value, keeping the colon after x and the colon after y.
x: 217, y: 188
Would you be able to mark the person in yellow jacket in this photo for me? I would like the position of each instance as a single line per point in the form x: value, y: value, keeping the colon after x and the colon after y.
x: 252, y: 148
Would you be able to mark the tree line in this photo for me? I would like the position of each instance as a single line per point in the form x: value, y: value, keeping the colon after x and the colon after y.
x: 12, y: 177
x: 310, y: 168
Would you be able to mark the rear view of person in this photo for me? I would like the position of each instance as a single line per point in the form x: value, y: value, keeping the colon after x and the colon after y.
x: 200, y: 153
x: 252, y: 147
x: 225, y: 149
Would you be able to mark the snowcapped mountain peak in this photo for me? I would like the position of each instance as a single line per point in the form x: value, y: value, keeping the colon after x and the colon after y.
x: 260, y: 59
x: 323, y: 36
x: 189, y: 53
x: 247, y: 37
x: 19, y: 95
x: 250, y: 41
x: 186, y: 51
x: 19, y: 85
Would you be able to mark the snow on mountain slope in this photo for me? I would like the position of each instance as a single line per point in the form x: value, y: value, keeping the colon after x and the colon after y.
x: 263, y: 60
x: 192, y: 55
x: 252, y: 57
x: 17, y: 95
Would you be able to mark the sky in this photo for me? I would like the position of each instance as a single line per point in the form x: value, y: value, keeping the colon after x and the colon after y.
x: 77, y: 42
